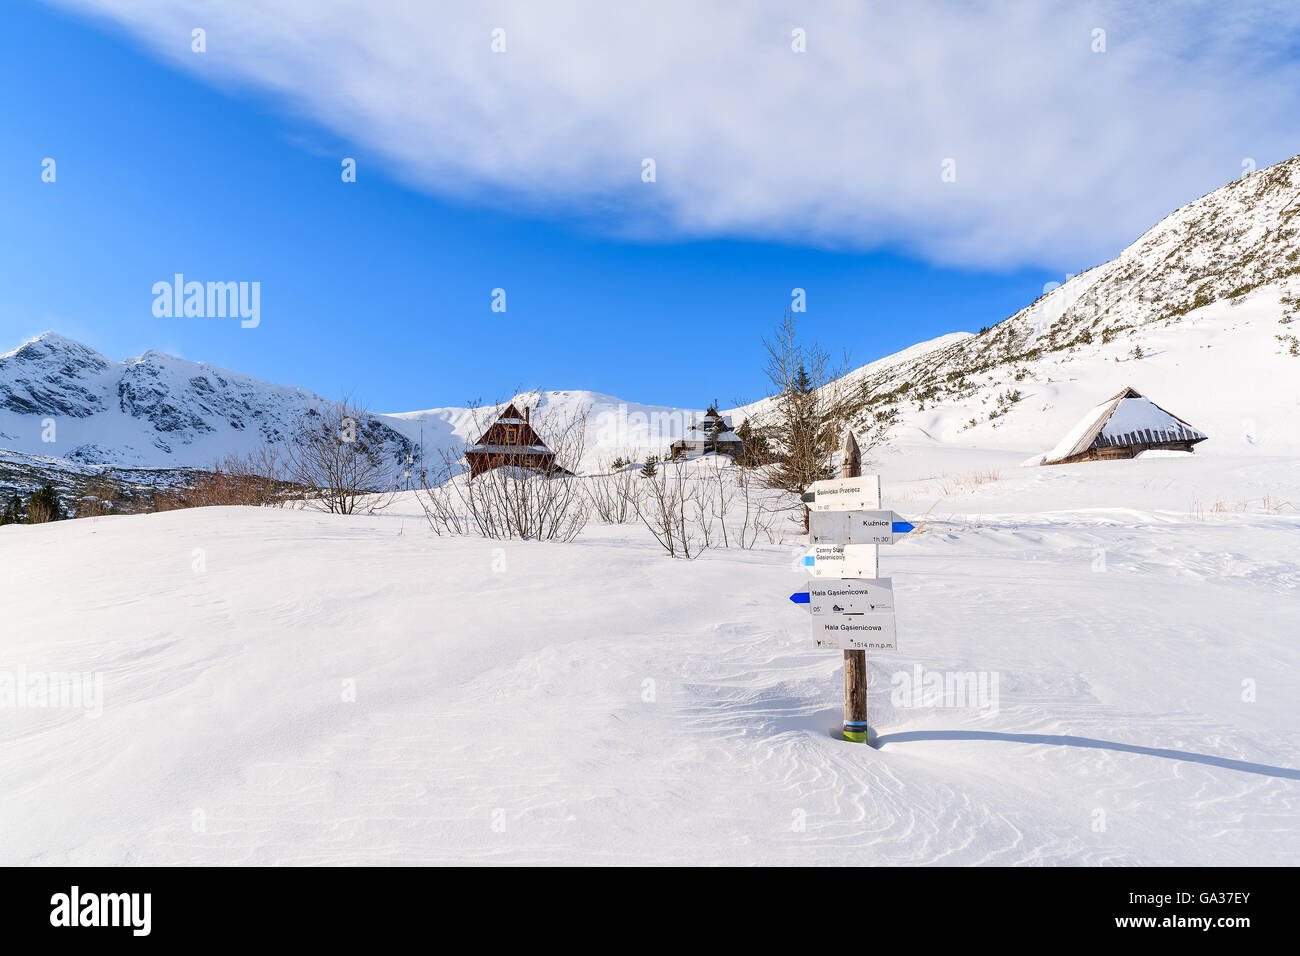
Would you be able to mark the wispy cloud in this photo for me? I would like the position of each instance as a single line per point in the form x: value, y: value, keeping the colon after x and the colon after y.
x: 1062, y: 154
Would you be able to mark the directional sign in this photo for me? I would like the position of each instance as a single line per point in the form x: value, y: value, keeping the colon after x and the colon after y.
x: 851, y: 607
x: 829, y: 527
x: 850, y: 598
x: 844, y: 561
x: 844, y: 494
x: 856, y: 527
x: 847, y: 596
x: 860, y: 632
x: 876, y: 527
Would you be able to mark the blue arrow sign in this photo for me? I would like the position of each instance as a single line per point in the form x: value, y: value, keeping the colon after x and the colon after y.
x: 902, y: 527
x: 799, y: 597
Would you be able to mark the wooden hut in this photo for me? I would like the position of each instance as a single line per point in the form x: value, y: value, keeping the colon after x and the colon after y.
x: 510, y: 442
x: 711, y: 433
x: 1124, y: 426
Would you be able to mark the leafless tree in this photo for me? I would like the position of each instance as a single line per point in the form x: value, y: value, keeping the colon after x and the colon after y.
x: 811, y: 401
x: 341, y: 457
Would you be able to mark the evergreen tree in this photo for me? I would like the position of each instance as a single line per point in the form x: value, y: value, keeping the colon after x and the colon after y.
x: 811, y: 404
x: 648, y: 469
x: 715, y: 429
x: 754, y: 450
x: 809, y: 434
x: 44, y: 505
x: 14, y: 512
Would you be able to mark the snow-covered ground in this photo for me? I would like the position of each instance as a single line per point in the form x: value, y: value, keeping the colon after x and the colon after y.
x: 291, y: 687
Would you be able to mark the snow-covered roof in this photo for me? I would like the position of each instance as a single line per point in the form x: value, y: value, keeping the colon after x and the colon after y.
x: 700, y: 435
x: 510, y: 449
x: 1122, y: 419
x: 709, y: 418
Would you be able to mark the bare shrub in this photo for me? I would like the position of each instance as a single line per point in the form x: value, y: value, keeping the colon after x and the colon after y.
x: 340, y: 456
x: 613, y: 491
x: 690, y: 507
x: 666, y: 506
x: 257, y: 479
x: 262, y: 475
x: 96, y: 499
x: 955, y: 484
x: 515, y: 500
x: 753, y: 512
x: 705, y: 504
x: 443, y: 505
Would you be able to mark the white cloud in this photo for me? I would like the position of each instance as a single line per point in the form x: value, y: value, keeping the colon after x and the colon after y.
x: 1062, y: 155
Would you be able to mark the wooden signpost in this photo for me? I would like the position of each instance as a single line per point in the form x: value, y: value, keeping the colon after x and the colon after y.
x: 852, y: 606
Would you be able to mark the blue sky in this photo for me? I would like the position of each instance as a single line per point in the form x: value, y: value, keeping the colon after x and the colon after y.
x: 383, y: 287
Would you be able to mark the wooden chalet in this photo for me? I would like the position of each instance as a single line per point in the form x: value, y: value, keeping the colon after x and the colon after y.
x: 510, y: 442
x: 1124, y: 426
x: 711, y: 433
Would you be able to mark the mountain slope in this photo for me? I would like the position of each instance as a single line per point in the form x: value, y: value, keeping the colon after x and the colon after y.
x: 1204, y: 298
x: 1198, y: 312
x: 59, y: 398
x: 160, y: 411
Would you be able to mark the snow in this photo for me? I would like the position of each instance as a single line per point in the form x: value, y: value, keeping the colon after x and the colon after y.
x: 290, y: 687
x: 1067, y: 445
x: 1163, y: 453
x: 156, y: 410
x: 1220, y: 369
x: 1136, y: 414
x: 598, y: 702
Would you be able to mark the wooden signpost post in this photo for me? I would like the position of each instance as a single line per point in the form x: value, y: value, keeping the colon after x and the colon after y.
x: 853, y: 609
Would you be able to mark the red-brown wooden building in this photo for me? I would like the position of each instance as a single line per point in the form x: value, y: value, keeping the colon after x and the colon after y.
x: 510, y: 442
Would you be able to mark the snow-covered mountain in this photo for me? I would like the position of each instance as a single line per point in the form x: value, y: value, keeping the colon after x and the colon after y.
x: 61, y: 398
x: 1197, y: 313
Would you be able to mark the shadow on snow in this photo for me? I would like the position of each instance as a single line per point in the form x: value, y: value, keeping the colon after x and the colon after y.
x: 1061, y: 740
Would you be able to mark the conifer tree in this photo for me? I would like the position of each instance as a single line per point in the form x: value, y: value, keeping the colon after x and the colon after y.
x: 44, y: 505
x: 811, y: 403
x: 13, y: 512
x: 754, y: 450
